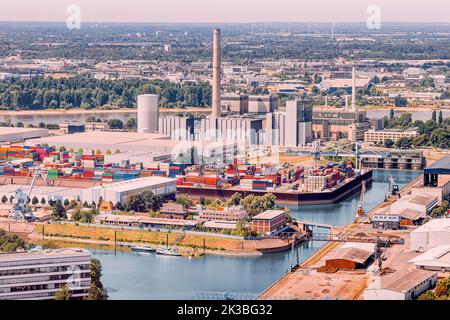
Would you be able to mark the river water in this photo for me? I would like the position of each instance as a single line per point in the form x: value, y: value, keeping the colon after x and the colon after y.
x: 124, y: 115
x: 130, y: 275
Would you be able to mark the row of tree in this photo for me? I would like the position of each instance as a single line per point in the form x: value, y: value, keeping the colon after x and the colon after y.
x: 86, y: 92
x: 434, y: 132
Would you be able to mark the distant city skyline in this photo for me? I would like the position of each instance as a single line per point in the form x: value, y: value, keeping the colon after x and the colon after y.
x: 230, y: 11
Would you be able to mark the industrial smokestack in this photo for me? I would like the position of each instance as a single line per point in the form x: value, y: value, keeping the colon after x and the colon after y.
x: 353, y: 89
x: 216, y: 94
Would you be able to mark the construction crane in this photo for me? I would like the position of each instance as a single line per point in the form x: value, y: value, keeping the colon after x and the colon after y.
x: 20, y: 210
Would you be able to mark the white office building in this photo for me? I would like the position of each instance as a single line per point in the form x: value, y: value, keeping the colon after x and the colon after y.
x: 39, y: 275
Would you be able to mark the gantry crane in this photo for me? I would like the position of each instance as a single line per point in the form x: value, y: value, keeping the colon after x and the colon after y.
x: 20, y: 210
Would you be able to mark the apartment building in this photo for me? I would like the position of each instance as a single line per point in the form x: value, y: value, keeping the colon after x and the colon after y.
x: 393, y: 134
x: 38, y: 275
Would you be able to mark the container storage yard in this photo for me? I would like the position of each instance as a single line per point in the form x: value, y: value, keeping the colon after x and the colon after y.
x: 288, y: 181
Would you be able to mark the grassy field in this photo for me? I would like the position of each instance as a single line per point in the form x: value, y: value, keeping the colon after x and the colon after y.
x: 138, y: 236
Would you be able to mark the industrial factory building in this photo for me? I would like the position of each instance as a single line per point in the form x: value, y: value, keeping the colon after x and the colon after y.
x: 340, y: 124
x: 350, y: 256
x: 155, y: 146
x: 251, y: 119
x: 39, y: 275
x: 401, y: 285
x: 13, y: 134
x: 119, y: 191
x: 434, y: 233
x: 419, y: 202
x: 435, y: 259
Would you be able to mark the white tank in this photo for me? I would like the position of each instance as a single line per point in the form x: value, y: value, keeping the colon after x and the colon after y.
x: 148, y: 113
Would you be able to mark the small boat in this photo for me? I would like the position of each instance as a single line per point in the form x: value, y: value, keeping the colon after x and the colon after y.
x: 168, y: 252
x: 142, y: 249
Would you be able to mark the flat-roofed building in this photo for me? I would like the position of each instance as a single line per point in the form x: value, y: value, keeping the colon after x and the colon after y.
x: 72, y: 127
x: 269, y: 221
x: 97, y: 126
x: 38, y: 275
x: 386, y: 221
x: 435, y: 259
x: 263, y: 103
x: 223, y: 215
x: 219, y: 226
x: 119, y: 191
x: 236, y: 103
x: 143, y: 221
x: 14, y: 134
x: 402, y: 285
x: 376, y: 136
x: 339, y: 124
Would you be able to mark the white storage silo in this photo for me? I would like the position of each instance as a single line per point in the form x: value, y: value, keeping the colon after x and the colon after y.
x: 148, y: 113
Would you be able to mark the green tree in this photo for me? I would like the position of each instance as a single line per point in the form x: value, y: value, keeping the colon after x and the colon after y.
x: 440, y: 118
x: 59, y: 212
x: 440, y: 138
x: 185, y: 200
x: 403, y: 143
x: 66, y: 202
x: 235, y: 199
x: 420, y: 140
x: 428, y: 295
x: 434, y: 116
x: 43, y: 201
x: 4, y: 199
x: 34, y: 201
x: 64, y: 293
x: 400, y: 101
x: 96, y: 290
x: 388, y: 143
x: 11, y: 243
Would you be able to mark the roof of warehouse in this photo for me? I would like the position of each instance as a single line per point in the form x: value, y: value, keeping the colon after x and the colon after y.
x: 220, y: 224
x: 434, y: 225
x: 411, y: 214
x: 405, y: 280
x: 438, y: 255
x: 9, y: 130
x: 352, y: 254
x: 138, y: 183
x: 422, y: 198
x: 441, y: 166
x: 269, y: 214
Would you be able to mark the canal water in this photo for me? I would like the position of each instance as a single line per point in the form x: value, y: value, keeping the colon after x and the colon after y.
x: 130, y: 275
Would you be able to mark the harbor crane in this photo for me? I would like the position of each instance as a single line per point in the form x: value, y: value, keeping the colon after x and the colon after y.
x: 20, y: 210
x: 393, y: 188
x: 360, y: 211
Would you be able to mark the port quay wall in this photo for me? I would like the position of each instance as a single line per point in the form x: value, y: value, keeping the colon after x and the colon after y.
x: 286, y: 197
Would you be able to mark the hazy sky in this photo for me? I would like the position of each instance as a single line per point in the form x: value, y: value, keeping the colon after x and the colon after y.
x: 216, y: 11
